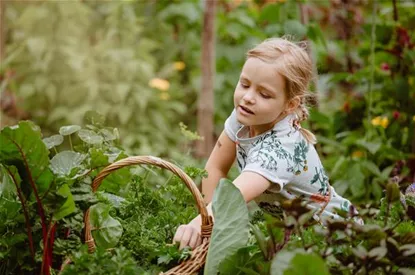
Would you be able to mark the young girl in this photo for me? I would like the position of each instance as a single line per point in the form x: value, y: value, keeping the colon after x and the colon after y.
x: 275, y: 156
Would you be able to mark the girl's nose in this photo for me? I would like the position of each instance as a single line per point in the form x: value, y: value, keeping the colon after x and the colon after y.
x: 249, y: 96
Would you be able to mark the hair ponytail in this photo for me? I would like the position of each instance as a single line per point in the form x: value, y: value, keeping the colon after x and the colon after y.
x: 308, y: 135
x: 303, y: 114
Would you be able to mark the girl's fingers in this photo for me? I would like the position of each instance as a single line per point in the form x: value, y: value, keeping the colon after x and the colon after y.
x: 187, y: 234
x: 199, y: 240
x: 193, y: 239
x: 179, y: 234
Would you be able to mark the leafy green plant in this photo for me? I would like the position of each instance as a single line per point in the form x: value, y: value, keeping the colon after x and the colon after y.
x: 59, y: 184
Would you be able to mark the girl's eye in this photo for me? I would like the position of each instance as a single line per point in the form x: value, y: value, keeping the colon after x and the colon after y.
x: 265, y: 96
x: 244, y: 85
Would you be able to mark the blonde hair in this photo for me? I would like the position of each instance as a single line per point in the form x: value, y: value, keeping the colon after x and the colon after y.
x: 295, y: 65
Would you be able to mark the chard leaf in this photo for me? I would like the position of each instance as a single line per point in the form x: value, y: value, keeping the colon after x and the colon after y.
x: 9, y: 203
x: 63, y: 163
x: 7, y: 186
x: 68, y: 206
x: 298, y: 262
x: 22, y: 146
x: 68, y: 130
x: 53, y: 141
x: 231, y: 229
x: 90, y: 137
x: 106, y: 230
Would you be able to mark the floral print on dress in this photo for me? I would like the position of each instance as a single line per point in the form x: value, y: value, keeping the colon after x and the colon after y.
x: 270, y: 152
x: 242, y: 155
x: 320, y: 177
x: 300, y: 158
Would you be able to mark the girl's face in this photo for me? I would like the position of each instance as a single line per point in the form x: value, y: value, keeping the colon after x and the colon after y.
x: 260, y: 98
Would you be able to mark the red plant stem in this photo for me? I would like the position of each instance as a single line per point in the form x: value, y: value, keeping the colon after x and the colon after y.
x: 47, y: 249
x: 39, y: 202
x: 52, y: 241
x: 67, y: 232
x: 25, y: 213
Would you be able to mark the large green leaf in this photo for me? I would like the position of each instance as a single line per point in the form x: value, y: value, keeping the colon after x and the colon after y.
x: 231, y: 229
x: 106, y: 230
x: 68, y: 207
x: 22, y: 146
x: 63, y: 163
x: 298, y: 262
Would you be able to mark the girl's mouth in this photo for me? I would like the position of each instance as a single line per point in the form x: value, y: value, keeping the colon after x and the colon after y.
x: 246, y: 110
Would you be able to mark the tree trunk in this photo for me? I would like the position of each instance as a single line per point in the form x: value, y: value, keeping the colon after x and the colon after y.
x: 305, y: 20
x: 2, y: 30
x: 205, y: 105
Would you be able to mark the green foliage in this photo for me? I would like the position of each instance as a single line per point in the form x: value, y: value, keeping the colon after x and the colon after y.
x: 231, y: 228
x: 100, y: 61
x: 141, y: 217
x: 297, y: 262
x: 63, y: 61
x: 149, y: 216
x: 116, y: 261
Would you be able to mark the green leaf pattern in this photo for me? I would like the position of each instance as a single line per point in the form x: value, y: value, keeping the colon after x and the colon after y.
x: 320, y: 177
x: 270, y: 152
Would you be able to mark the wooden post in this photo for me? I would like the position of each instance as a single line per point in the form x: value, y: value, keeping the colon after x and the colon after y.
x: 2, y: 30
x: 205, y: 109
x: 305, y: 20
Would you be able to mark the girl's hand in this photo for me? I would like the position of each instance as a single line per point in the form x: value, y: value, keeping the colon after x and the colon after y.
x: 188, y: 235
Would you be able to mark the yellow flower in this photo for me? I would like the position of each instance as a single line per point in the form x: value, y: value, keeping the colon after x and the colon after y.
x: 158, y: 83
x: 357, y: 154
x: 380, y: 121
x: 385, y: 122
x: 376, y: 121
x: 179, y: 65
x: 164, y: 96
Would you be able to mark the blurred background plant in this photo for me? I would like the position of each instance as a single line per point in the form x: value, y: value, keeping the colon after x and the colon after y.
x: 139, y: 64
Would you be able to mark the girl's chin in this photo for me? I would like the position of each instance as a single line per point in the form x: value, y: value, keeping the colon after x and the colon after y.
x: 244, y: 121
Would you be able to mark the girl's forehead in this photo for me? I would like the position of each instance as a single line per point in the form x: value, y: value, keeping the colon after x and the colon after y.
x: 257, y: 71
x: 256, y: 65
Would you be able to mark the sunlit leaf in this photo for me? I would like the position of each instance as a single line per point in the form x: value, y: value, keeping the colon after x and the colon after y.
x: 22, y: 146
x: 53, y: 141
x: 231, y: 229
x: 90, y: 137
x: 68, y: 130
x: 63, y: 163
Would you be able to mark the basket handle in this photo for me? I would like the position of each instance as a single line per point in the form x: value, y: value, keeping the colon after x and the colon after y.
x: 207, y: 222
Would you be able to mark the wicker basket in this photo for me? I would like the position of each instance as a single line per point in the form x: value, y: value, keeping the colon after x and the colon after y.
x: 198, y: 257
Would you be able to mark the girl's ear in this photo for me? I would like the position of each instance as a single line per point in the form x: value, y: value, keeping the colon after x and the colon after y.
x: 293, y: 104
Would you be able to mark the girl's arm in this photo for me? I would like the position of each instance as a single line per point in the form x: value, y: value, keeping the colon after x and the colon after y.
x: 251, y: 186
x: 218, y: 165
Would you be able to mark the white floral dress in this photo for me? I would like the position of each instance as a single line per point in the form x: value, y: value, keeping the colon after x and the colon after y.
x: 284, y: 157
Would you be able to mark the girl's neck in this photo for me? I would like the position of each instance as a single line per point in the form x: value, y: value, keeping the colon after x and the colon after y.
x: 256, y: 130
